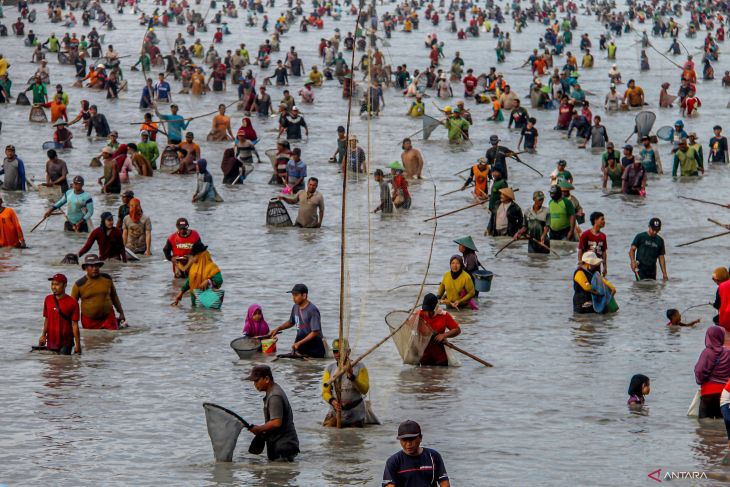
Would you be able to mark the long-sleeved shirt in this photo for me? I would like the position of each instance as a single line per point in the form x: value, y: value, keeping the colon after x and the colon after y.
x: 98, y: 124
x: 80, y: 206
x: 11, y: 232
x: 175, y: 125
x: 111, y: 245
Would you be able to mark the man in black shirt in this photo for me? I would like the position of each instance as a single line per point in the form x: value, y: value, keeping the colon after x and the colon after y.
x: 97, y: 123
x: 718, y: 147
x: 414, y: 466
x: 497, y: 156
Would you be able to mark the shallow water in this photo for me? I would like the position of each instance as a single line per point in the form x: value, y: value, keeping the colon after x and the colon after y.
x: 128, y: 411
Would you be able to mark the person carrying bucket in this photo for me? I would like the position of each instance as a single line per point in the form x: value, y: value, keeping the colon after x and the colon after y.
x: 469, y: 254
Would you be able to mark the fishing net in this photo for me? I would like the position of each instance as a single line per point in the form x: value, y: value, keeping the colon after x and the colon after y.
x: 70, y: 259
x: 599, y: 294
x: 245, y: 346
x: 644, y: 123
x: 63, y: 58
x: 22, y: 99
x: 37, y: 114
x: 53, y: 193
x: 429, y: 125
x: 169, y: 160
x: 276, y: 214
x: 224, y: 426
x: 271, y: 154
x: 413, y: 336
x: 665, y: 133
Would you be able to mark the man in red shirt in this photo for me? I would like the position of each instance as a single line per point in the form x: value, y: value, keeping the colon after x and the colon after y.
x: 470, y: 83
x: 61, y: 323
x: 594, y: 240
x: 439, y: 321
x: 179, y: 245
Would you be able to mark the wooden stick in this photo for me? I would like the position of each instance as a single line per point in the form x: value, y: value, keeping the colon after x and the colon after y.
x: 542, y: 245
x: 456, y: 211
x: 723, y: 225
x: 505, y: 246
x: 471, y: 356
x: 415, y: 284
x: 704, y: 201
x: 705, y: 238
x: 457, y: 190
x: 44, y: 219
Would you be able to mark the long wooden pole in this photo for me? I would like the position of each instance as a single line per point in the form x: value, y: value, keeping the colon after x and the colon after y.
x: 44, y: 219
x: 471, y: 356
x: 703, y: 239
x: 542, y: 245
x: 704, y: 201
x: 418, y: 298
x: 456, y: 211
x: 457, y: 190
x: 505, y: 246
x: 723, y: 225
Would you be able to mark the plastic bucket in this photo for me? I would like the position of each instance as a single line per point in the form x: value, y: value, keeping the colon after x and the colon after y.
x: 483, y: 280
x: 268, y: 345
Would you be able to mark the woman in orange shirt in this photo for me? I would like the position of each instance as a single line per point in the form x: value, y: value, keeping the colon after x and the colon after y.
x: 11, y: 234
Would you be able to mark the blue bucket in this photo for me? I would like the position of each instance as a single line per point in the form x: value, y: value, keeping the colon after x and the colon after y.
x: 483, y: 280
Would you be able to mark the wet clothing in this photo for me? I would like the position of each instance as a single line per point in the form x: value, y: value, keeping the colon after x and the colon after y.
x: 14, y: 171
x: 293, y: 126
x: 718, y: 149
x: 136, y: 233
x: 536, y: 221
x: 175, y: 125
x: 111, y: 245
x: 582, y: 296
x: 11, y: 233
x: 435, y: 354
x: 281, y: 443
x: 424, y: 470
x: 712, y: 372
x: 306, y: 321
x: 80, y: 206
x: 177, y: 246
x: 506, y: 220
x: 560, y: 213
x: 60, y: 313
x: 591, y: 242
x: 99, y: 125
x: 352, y: 396
x: 634, y: 176
x: 311, y: 208
x: 98, y: 300
x: 648, y: 250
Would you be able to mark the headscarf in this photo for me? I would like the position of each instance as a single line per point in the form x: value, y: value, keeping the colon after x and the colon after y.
x: 248, y: 130
x: 135, y: 210
x: 714, y: 362
x: 229, y: 161
x: 120, y: 156
x: 203, y: 170
x: 253, y: 327
x: 455, y: 275
x: 636, y: 385
x: 201, y: 270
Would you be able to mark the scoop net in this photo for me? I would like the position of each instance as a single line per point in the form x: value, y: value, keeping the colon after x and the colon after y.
x: 276, y: 214
x: 224, y: 426
x: 644, y: 122
x: 412, y: 337
x: 169, y: 161
x: 37, y: 114
x: 429, y: 125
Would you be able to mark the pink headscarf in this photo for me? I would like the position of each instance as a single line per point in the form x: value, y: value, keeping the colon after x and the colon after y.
x: 252, y: 327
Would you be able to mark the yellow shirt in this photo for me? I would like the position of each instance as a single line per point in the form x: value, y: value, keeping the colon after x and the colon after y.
x: 316, y: 77
x: 4, y: 66
x: 459, y: 290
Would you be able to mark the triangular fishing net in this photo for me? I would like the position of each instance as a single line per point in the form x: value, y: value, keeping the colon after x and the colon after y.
x: 276, y: 214
x: 22, y: 99
x: 664, y: 133
x: 644, y: 122
x: 271, y: 154
x: 63, y: 58
x: 37, y: 114
x: 224, y: 426
x: 169, y: 160
x: 429, y: 125
x: 413, y: 336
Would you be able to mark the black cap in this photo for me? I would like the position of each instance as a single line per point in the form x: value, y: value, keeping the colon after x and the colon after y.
x: 655, y: 224
x: 78, y: 179
x: 409, y: 429
x: 259, y: 372
x: 129, y: 193
x: 182, y: 223
x: 198, y: 248
x: 429, y: 302
x: 493, y: 139
x: 299, y: 289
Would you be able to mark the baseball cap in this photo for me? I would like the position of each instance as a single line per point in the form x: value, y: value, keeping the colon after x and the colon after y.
x: 299, y: 289
x: 408, y: 429
x: 78, y: 180
x: 182, y: 223
x: 655, y: 224
x: 429, y: 302
x: 259, y: 372
x: 538, y: 195
x: 493, y: 139
x: 129, y: 193
x: 562, y: 162
x: 58, y: 278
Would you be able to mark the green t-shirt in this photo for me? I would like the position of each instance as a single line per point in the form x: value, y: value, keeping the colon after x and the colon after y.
x: 494, y: 194
x: 456, y: 128
x: 39, y: 93
x: 648, y: 250
x: 560, y: 213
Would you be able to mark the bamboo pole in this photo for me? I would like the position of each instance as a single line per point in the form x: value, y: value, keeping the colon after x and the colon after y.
x: 471, y: 356
x: 44, y: 219
x: 505, y: 246
x: 703, y: 239
x: 704, y: 201
x: 543, y: 245
x: 456, y: 211
x: 723, y: 225
x: 457, y: 190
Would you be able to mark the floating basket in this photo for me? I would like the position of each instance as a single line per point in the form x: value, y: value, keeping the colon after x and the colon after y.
x: 276, y: 214
x: 246, y: 347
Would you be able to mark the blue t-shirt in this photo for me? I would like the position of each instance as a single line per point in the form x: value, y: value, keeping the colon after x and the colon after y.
x: 424, y: 470
x: 163, y: 90
x: 175, y: 125
x: 296, y: 170
x: 305, y: 320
